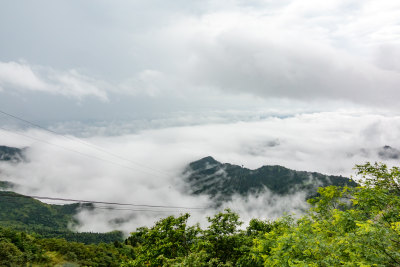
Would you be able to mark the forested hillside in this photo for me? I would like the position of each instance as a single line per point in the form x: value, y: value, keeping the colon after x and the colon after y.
x: 18, y: 248
x: 222, y: 180
x: 32, y: 216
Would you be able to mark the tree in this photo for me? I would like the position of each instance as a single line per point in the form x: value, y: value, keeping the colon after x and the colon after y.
x: 222, y: 236
x: 352, y: 227
x: 169, y: 238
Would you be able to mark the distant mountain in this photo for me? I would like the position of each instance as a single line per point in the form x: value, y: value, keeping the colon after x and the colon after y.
x: 24, y: 213
x: 388, y: 152
x: 33, y: 216
x: 222, y: 180
x: 20, y: 210
x: 377, y: 154
x: 12, y: 154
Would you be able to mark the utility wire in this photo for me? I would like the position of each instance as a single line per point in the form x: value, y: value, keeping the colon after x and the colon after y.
x: 73, y: 150
x: 103, y: 202
x: 81, y: 141
x: 105, y: 207
x: 111, y: 208
x: 114, y: 208
x: 94, y: 157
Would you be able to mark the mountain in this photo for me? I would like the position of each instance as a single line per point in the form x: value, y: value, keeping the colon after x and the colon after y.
x: 382, y: 153
x: 388, y: 152
x: 20, y: 210
x: 222, y: 180
x: 33, y: 216
x: 12, y: 154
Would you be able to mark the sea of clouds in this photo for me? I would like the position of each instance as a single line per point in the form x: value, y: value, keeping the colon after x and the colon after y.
x: 146, y: 167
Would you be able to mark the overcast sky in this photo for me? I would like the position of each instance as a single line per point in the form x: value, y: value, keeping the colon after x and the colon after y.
x: 116, y: 60
x: 308, y: 84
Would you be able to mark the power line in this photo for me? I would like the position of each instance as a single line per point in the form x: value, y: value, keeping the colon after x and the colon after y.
x: 81, y: 141
x: 106, y: 207
x: 73, y: 150
x: 104, y: 202
x: 97, y: 158
x: 114, y: 208
x: 111, y: 208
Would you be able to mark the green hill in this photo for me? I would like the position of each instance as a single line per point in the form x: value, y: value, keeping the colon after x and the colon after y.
x: 222, y: 180
x: 33, y: 216
x: 19, y: 210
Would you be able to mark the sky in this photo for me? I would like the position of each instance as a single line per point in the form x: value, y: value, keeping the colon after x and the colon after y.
x: 310, y: 85
x: 124, y: 60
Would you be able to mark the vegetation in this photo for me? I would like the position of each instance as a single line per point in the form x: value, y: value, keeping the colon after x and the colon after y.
x: 24, y: 213
x: 222, y: 180
x: 19, y: 210
x: 20, y: 249
x: 345, y: 226
x: 5, y: 185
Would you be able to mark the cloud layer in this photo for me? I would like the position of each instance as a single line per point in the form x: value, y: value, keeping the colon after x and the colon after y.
x: 300, y: 50
x: 149, y: 164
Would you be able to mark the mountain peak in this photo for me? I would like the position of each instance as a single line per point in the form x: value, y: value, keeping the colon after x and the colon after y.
x: 388, y: 152
x: 209, y: 159
x: 204, y: 163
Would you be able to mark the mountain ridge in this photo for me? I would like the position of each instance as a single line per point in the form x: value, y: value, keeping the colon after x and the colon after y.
x: 223, y: 180
x: 12, y: 154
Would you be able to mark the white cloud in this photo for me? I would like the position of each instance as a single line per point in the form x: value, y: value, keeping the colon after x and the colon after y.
x: 330, y: 142
x: 147, y: 82
x: 299, y: 49
x: 289, y: 54
x: 21, y: 76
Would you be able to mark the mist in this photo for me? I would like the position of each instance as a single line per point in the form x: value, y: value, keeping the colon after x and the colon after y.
x: 146, y: 167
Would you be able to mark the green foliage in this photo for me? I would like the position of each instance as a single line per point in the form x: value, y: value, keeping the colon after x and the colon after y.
x: 81, y: 237
x: 222, y: 236
x: 9, y: 254
x: 169, y: 238
x: 83, y: 255
x: 378, y: 175
x: 19, y: 249
x: 346, y: 226
x: 258, y: 227
x: 16, y: 209
x: 170, y: 242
